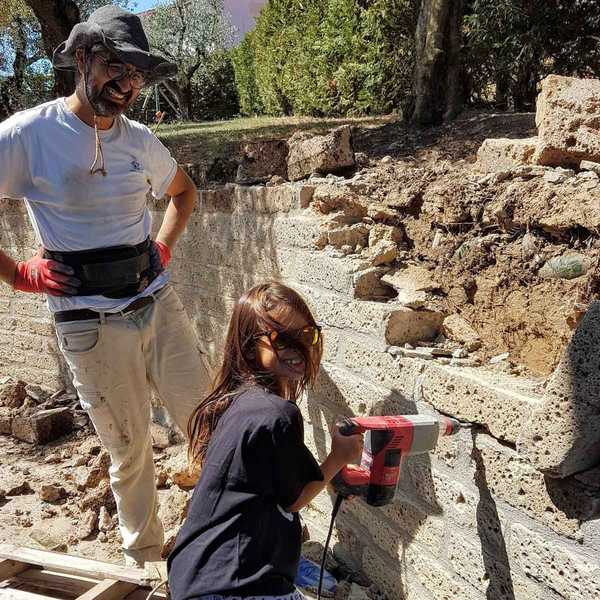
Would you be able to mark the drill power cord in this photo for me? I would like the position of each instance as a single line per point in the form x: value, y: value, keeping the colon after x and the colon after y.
x: 336, y: 507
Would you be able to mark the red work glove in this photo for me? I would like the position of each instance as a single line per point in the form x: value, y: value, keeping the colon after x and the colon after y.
x: 45, y: 276
x: 164, y: 252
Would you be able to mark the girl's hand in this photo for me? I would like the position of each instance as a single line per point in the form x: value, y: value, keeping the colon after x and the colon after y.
x: 346, y: 449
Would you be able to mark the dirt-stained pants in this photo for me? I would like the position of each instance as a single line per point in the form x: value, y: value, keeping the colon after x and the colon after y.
x: 116, y: 361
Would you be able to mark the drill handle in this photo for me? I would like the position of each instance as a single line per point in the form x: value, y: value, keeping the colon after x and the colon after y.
x: 348, y: 426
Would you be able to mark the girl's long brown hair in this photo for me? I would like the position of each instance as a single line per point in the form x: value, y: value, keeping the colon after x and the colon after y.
x: 253, y: 313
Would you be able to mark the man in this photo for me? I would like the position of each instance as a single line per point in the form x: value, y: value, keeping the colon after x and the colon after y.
x: 83, y: 170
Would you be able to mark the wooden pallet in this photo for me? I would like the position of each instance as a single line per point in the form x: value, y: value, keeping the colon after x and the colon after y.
x: 28, y: 574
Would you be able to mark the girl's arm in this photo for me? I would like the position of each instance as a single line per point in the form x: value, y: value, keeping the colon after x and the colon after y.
x: 344, y: 450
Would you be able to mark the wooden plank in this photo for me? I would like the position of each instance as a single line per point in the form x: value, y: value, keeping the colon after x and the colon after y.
x: 67, y: 584
x: 109, y: 589
x: 9, y: 568
x: 64, y: 563
x: 12, y: 594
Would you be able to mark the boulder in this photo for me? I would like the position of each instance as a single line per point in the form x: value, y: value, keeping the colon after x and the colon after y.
x: 20, y: 489
x: 105, y: 521
x: 177, y: 468
x: 413, y: 285
x: 43, y: 426
x: 502, y: 154
x: 88, y: 524
x: 12, y: 394
x: 6, y: 419
x: 562, y: 436
x: 320, y: 154
x: 160, y: 436
x: 261, y: 160
x: 38, y: 393
x: 52, y: 493
x: 173, y: 508
x: 97, y: 497
x: 568, y: 121
x: 53, y: 535
x: 459, y: 330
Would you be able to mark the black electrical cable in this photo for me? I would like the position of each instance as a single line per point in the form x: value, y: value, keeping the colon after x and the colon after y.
x: 334, y: 512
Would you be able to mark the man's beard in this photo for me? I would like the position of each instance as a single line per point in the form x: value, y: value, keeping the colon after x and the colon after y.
x: 101, y: 102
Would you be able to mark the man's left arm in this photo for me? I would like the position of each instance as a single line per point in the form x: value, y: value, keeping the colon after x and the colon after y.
x: 182, y: 191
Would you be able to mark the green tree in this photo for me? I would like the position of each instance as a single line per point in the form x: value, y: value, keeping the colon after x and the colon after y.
x: 188, y: 33
x: 327, y: 57
x: 512, y: 44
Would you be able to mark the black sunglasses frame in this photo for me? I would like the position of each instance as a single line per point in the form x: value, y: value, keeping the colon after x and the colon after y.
x: 290, y: 336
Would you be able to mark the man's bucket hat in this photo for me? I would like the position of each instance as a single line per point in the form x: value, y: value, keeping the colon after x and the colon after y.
x: 121, y: 32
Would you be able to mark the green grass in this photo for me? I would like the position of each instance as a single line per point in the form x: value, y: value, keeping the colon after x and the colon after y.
x: 199, y: 141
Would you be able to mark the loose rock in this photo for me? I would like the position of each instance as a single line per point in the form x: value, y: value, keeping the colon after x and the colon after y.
x: 12, y: 394
x: 52, y: 493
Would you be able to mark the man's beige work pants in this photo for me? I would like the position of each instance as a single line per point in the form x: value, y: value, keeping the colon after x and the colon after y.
x: 116, y: 361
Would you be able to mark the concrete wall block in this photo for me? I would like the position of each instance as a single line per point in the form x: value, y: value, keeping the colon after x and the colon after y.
x: 384, y: 572
x: 439, y: 579
x: 220, y: 200
x: 318, y: 269
x: 411, y: 326
x: 28, y: 306
x: 416, y: 525
x: 567, y: 116
x: 399, y: 375
x: 382, y: 533
x: 331, y: 344
x: 561, y: 567
x: 562, y: 436
x: 344, y: 313
x: 503, y: 154
x: 296, y: 232
x: 491, y: 574
x: 475, y: 396
x: 341, y: 391
x: 513, y: 479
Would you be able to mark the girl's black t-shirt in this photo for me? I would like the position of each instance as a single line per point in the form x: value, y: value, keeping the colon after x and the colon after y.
x: 238, y: 539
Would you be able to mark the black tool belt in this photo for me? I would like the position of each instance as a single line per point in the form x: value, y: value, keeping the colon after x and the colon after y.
x: 114, y: 272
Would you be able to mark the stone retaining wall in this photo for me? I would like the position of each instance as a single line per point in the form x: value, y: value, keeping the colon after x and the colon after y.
x: 473, y: 520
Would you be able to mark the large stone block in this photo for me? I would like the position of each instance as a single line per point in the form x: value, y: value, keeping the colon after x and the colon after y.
x: 562, y: 567
x: 439, y: 578
x: 503, y: 154
x: 568, y: 121
x: 492, y: 574
x: 320, y: 154
x: 514, y: 480
x: 411, y: 326
x: 480, y: 397
x: 342, y: 391
x: 383, y: 369
x: 384, y: 572
x: 294, y: 232
x: 44, y: 426
x: 6, y: 419
x: 12, y: 394
x: 316, y: 268
x: 562, y: 435
x: 261, y: 160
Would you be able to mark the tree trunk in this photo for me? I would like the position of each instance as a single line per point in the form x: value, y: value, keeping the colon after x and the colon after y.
x: 438, y: 82
x: 175, y: 89
x: 57, y: 18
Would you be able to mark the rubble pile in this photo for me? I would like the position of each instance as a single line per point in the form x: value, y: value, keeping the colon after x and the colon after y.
x: 36, y: 415
x: 499, y: 257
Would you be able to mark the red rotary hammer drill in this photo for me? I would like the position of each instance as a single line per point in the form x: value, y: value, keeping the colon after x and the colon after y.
x: 387, y: 441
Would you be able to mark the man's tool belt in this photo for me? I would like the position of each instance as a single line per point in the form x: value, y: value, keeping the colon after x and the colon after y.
x: 114, y: 272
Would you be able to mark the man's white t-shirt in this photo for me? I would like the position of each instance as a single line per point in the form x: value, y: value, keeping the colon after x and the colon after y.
x: 45, y: 158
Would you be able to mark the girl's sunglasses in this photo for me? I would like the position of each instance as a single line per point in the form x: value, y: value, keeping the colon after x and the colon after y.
x: 307, y: 337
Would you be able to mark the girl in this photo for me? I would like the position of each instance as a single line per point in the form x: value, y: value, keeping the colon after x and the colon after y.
x: 242, y: 535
